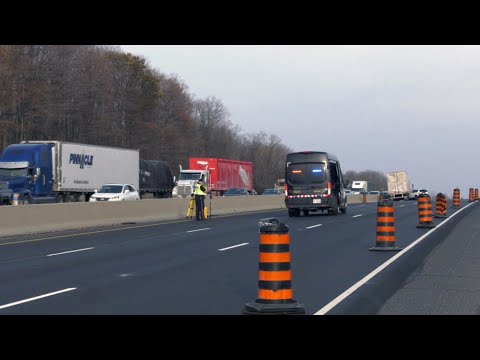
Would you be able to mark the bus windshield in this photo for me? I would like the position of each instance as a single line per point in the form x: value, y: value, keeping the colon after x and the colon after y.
x: 306, y: 173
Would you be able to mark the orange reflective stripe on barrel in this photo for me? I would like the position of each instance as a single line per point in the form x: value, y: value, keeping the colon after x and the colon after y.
x: 385, y: 224
x: 274, y: 273
x: 424, y: 209
x: 441, y: 205
x: 456, y: 198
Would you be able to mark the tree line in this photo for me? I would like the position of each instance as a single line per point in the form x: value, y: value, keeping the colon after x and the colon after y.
x: 101, y: 95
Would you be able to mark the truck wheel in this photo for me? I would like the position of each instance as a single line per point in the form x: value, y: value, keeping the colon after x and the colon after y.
x: 305, y: 212
x: 335, y: 208
x: 343, y: 208
x: 291, y: 213
x: 26, y: 200
x: 60, y: 198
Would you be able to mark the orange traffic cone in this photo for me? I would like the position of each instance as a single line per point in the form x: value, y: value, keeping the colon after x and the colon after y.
x: 425, y: 211
x: 385, y: 227
x: 275, y: 295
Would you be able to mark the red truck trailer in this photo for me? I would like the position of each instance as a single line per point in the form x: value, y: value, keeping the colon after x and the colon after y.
x: 224, y: 174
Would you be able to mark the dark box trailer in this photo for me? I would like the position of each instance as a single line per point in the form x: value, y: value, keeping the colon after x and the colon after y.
x: 155, y: 179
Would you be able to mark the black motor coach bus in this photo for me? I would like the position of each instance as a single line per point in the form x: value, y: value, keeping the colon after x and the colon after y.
x: 314, y: 182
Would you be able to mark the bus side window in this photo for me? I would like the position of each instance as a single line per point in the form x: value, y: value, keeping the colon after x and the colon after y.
x: 334, y: 173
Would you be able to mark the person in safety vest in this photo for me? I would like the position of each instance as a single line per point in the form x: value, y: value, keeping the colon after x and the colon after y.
x: 199, y: 193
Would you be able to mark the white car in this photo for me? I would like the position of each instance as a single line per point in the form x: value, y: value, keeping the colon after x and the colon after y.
x: 115, y: 192
x: 414, y: 193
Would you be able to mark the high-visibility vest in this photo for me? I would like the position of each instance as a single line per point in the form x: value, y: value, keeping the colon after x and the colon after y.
x: 198, y: 190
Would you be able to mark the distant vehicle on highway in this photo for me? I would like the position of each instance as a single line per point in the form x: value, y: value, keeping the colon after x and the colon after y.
x: 236, y: 192
x: 415, y: 193
x: 271, y: 192
x: 374, y: 192
x: 384, y: 195
x: 115, y: 192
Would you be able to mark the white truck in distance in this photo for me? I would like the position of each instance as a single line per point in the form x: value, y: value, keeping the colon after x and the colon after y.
x: 398, y: 185
x: 358, y: 186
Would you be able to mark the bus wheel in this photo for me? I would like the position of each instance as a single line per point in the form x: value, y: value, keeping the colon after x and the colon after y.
x: 335, y: 208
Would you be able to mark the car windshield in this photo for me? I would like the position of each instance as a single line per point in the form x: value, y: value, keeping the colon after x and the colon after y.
x: 111, y: 189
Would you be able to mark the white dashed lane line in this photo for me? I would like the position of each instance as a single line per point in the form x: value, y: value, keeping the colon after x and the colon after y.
x: 234, y: 246
x: 313, y: 226
x: 190, y: 231
x: 357, y: 215
x: 71, y: 251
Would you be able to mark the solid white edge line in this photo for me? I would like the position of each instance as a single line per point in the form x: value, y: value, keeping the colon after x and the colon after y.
x: 36, y: 298
x: 313, y: 226
x: 189, y: 231
x: 357, y: 215
x: 353, y: 288
x: 71, y: 251
x: 234, y: 246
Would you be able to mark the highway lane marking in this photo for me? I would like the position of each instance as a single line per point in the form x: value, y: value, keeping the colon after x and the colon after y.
x: 401, y: 205
x: 357, y: 215
x: 125, y: 228
x: 190, y: 231
x: 356, y: 286
x: 36, y: 298
x: 71, y: 251
x: 313, y: 226
x: 234, y: 246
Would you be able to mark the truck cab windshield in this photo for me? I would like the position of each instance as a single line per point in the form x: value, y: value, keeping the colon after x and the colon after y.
x: 189, y: 176
x: 13, y: 172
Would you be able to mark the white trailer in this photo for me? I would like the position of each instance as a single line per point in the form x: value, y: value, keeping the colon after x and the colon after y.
x: 80, y: 169
x: 358, y: 186
x: 398, y: 185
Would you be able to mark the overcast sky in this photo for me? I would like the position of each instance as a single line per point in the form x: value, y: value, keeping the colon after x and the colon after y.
x: 384, y: 108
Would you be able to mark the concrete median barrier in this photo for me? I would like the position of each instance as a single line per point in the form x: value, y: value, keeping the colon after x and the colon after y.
x: 29, y: 219
x: 38, y: 218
